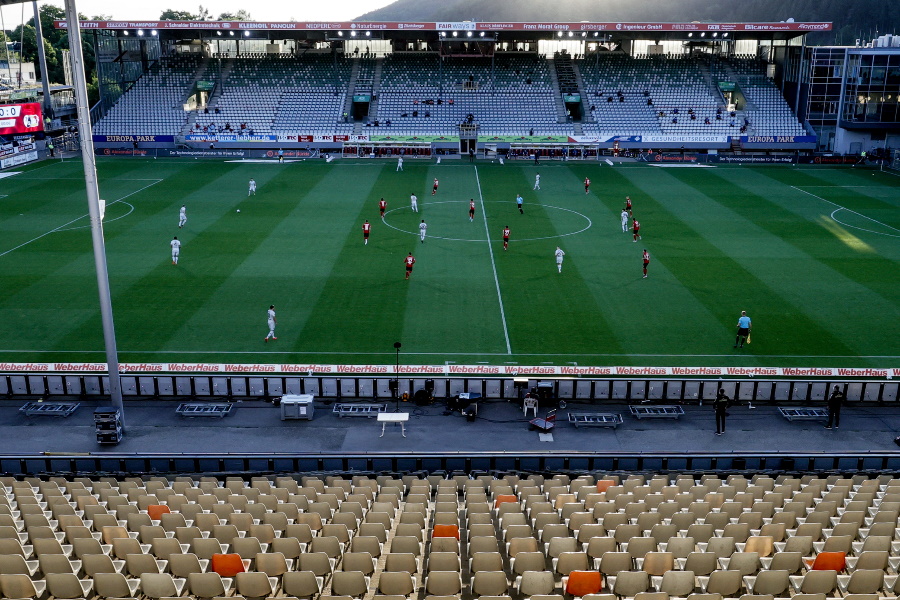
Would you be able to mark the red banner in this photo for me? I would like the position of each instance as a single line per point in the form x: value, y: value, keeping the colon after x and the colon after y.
x: 20, y: 118
x: 450, y: 26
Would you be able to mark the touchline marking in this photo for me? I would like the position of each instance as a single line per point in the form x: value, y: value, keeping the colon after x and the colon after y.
x: 64, y: 225
x: 329, y: 353
x: 847, y: 209
x: 493, y: 264
x: 82, y: 179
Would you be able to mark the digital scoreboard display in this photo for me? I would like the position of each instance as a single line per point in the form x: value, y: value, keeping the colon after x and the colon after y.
x: 20, y: 118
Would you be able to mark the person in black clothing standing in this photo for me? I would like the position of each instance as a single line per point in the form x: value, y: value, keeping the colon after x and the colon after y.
x: 834, y: 407
x: 720, y: 405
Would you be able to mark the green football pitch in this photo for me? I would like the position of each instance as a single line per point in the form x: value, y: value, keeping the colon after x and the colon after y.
x: 811, y: 253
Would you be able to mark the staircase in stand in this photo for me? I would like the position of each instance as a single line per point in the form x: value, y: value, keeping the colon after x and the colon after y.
x: 376, y: 88
x: 586, y: 115
x: 558, y: 101
x: 566, y: 80
x: 351, y: 89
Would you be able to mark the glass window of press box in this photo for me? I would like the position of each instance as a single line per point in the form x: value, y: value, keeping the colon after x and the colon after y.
x: 872, y: 88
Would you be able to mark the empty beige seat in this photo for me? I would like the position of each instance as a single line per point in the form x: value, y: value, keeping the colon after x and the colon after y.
x: 773, y: 583
x: 396, y: 583
x: 114, y: 585
x: 815, y: 582
x: 301, y: 584
x: 317, y: 562
x: 253, y: 584
x: 629, y: 583
x: 182, y: 565
x: 443, y: 583
x: 160, y: 585
x: 208, y: 585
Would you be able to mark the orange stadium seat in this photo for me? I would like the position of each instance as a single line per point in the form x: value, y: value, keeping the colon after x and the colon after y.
x: 448, y: 531
x: 227, y: 565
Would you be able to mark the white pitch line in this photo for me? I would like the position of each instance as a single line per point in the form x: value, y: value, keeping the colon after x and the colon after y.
x: 845, y: 208
x: 493, y: 264
x: 64, y: 225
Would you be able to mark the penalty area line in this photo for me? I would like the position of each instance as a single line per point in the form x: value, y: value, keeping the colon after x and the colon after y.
x: 65, y: 225
x: 847, y: 209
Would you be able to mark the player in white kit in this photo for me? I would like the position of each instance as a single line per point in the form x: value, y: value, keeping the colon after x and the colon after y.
x: 537, y: 182
x: 414, y: 202
x: 182, y: 217
x: 400, y: 163
x: 176, y: 249
x: 252, y: 190
x: 624, y: 221
x: 559, y: 258
x: 272, y: 321
x: 422, y: 228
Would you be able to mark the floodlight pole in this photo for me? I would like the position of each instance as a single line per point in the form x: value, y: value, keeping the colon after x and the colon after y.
x: 42, y: 59
x: 93, y: 197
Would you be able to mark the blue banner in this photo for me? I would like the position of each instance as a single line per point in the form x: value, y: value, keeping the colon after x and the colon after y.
x: 213, y: 137
x: 134, y: 138
x: 778, y: 139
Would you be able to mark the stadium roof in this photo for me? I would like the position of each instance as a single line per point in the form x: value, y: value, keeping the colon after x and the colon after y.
x: 492, y: 29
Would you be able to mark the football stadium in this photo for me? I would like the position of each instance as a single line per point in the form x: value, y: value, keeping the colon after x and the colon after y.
x: 447, y: 309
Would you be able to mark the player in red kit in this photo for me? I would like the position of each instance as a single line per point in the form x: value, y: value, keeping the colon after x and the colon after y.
x: 434, y: 187
x: 471, y: 209
x: 366, y: 227
x: 587, y: 185
x: 505, y: 238
x: 628, y: 205
x: 409, y: 261
x: 646, y: 262
x: 381, y: 206
x: 636, y: 229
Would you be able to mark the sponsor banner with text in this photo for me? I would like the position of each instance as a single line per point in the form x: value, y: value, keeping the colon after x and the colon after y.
x: 412, y: 138
x: 450, y: 370
x: 528, y: 139
x: 18, y: 159
x: 223, y: 137
x: 490, y: 26
x: 758, y: 160
x: 778, y: 139
x: 134, y: 138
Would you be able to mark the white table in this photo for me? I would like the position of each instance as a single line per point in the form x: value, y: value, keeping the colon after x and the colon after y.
x: 399, y: 418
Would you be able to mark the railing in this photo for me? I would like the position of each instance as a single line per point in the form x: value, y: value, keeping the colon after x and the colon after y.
x: 668, y: 390
x: 377, y: 462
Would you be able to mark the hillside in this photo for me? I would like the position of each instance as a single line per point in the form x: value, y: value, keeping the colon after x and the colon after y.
x: 852, y: 18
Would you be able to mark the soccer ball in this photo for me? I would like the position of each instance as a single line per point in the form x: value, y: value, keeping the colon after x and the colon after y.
x: 239, y: 210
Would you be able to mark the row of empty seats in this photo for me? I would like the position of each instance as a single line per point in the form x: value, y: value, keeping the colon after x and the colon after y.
x: 511, y: 95
x: 441, y: 536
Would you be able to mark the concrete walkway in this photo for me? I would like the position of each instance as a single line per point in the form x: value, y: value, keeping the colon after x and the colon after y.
x: 152, y: 426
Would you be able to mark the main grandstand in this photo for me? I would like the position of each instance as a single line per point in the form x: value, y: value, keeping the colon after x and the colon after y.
x: 641, y: 85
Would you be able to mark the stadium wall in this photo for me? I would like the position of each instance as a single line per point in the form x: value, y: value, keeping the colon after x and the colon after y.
x: 121, y: 464
x: 865, y: 388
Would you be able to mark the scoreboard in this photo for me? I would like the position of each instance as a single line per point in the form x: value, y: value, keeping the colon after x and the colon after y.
x: 20, y: 118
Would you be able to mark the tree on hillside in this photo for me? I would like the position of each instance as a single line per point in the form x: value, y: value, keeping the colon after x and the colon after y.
x: 177, y: 15
x: 241, y: 15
